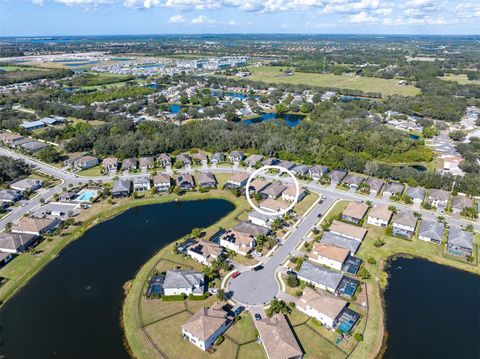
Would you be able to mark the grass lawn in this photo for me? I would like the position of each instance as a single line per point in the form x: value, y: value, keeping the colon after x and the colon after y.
x: 270, y: 74
x: 460, y: 78
x: 251, y: 351
x: 305, y: 204
x: 244, y: 260
x: 243, y: 331
x: 315, y: 346
x: 91, y: 172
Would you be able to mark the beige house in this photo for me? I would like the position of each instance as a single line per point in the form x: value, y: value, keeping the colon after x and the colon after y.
x: 328, y: 255
x: 348, y: 230
x: 274, y: 205
x: 290, y: 193
x: 354, y: 212
x: 237, y: 180
x: 277, y: 338
x: 204, y: 252
x: 379, y: 216
x: 321, y: 305
x: 238, y: 242
x: 35, y: 226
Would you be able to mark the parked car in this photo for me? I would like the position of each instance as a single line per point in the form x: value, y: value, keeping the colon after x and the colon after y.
x: 319, y: 215
x: 239, y: 309
x: 257, y: 268
x: 258, y: 316
x: 236, y: 274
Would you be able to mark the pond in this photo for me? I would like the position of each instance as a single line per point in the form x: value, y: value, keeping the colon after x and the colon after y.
x: 432, y: 311
x: 290, y: 120
x: 71, y: 309
x: 419, y: 168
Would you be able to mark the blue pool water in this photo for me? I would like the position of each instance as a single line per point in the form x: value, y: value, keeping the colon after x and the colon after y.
x: 87, y: 196
x: 291, y: 120
x: 174, y: 108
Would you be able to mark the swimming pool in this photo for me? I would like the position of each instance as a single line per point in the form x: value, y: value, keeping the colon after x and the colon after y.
x: 86, y: 195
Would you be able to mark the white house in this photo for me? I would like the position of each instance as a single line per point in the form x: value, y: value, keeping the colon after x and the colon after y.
x: 261, y: 219
x: 328, y: 255
x: 322, y: 306
x: 379, y: 216
x: 162, y: 182
x: 237, y: 180
x: 180, y: 281
x: 290, y: 193
x: 238, y: 242
x: 141, y: 183
x: 204, y: 251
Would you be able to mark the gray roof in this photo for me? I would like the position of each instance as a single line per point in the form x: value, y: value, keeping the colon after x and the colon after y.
x: 122, y: 185
x: 141, y: 179
x: 237, y: 155
x: 218, y: 156
x: 129, y: 162
x: 250, y: 229
x: 394, y: 187
x: 180, y: 278
x: 375, y: 184
x: 184, y: 157
x: 286, y: 164
x: 26, y: 183
x: 275, y: 189
x: 461, y: 202
x: 320, y: 275
x: 34, y: 145
x: 339, y: 241
x: 459, y: 237
x: 432, y: 230
x: 405, y: 218
x: 206, y: 178
x: 300, y: 169
x: 253, y: 159
x: 337, y: 175
x: 353, y: 179
x: 416, y: 192
x: 439, y: 195
x: 270, y: 162
x: 318, y: 170
x: 13, y: 241
x: 9, y: 195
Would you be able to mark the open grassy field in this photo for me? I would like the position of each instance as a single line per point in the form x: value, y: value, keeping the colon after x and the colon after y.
x: 460, y: 78
x: 368, y: 84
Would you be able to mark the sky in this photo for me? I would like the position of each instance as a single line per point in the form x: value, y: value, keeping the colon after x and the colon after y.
x: 117, y: 17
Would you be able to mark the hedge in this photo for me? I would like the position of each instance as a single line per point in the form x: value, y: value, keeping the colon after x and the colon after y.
x: 198, y: 297
x: 173, y: 298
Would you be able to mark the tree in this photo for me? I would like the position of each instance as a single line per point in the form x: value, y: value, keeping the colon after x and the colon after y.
x: 363, y: 273
x: 49, y: 154
x: 292, y: 280
x: 281, y: 108
x: 221, y: 295
x: 278, y: 306
x: 196, y: 233
x: 457, y: 135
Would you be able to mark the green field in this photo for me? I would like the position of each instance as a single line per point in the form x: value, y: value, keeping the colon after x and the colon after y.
x: 367, y: 84
x: 460, y: 78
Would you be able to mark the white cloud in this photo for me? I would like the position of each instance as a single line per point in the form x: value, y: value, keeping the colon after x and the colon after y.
x: 363, y: 18
x: 204, y: 20
x: 177, y: 19
x: 84, y: 3
x: 38, y: 2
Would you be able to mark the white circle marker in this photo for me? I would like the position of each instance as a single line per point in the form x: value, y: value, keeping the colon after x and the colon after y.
x: 268, y: 213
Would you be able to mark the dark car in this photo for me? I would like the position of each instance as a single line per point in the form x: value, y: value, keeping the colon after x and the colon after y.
x: 239, y: 309
x: 257, y: 268
x: 258, y: 316
x: 319, y: 215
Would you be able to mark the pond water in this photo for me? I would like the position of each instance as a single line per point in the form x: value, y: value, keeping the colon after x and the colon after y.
x: 414, y: 137
x: 419, y: 168
x: 432, y: 311
x: 290, y: 120
x: 71, y: 309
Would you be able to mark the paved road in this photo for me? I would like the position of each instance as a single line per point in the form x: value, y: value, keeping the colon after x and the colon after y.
x: 256, y: 288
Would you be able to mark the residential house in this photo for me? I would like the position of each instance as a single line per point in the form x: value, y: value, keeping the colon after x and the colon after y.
x: 122, y: 188
x: 322, y: 306
x: 252, y: 160
x: 379, y: 216
x: 404, y: 224
x: 16, y: 242
x: 141, y: 183
x: 353, y: 181
x: 460, y: 202
x: 206, y: 180
x: 32, y: 125
x: 416, y: 194
x: 392, y: 188
x: 261, y: 219
x: 206, y: 325
x: 204, y: 252
x: 85, y: 162
x: 288, y: 165
x: 33, y: 146
x: 67, y: 196
x: 236, y: 156
x: 147, y: 162
x: 201, y: 158
x: 300, y: 170
x: 270, y: 162
x: 110, y: 164
x: 273, y: 191
x: 26, y: 184
x: 274, y: 205
x: 162, y: 182
x: 459, y: 242
x: 431, y: 231
x: 258, y: 185
x: 185, y: 182
x: 10, y: 195
x: 184, y: 158
x: 375, y: 185
x: 129, y: 164
x: 164, y: 160
x: 336, y: 176
x: 290, y: 194
x: 35, y: 226
x: 354, y: 212
x: 317, y: 172
x: 10, y: 138
x: 348, y: 230
x: 333, y: 239
x: 238, y: 242
x: 237, y: 180
x: 277, y: 338
x: 218, y: 157
x: 328, y: 255
x: 5, y: 258
x: 251, y: 229
x: 187, y: 281
x: 320, y: 277
x: 438, y: 198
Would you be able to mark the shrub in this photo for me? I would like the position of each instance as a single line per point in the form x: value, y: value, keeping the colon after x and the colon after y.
x: 371, y: 260
x: 198, y: 297
x: 173, y: 298
x: 219, y: 340
x: 358, y: 337
x: 292, y: 280
x: 363, y: 273
x: 379, y: 243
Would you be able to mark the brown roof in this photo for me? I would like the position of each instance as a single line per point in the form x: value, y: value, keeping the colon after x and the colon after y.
x: 240, y: 239
x: 207, y: 249
x: 258, y: 184
x: 277, y: 338
x: 328, y: 251
x: 161, y: 178
x: 355, y: 210
x: 238, y: 177
x: 274, y: 204
x: 292, y: 191
x: 348, y: 229
x: 322, y: 302
x: 110, y: 161
x: 381, y: 212
x: 31, y: 224
x: 204, y: 323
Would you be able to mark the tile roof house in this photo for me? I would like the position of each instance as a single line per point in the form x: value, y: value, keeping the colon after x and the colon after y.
x: 251, y: 229
x: 35, y: 226
x: 273, y: 191
x: 288, y: 165
x: 316, y: 172
x: 431, y: 231
x: 417, y: 194
x: 122, y: 188
x: 270, y: 162
x: 353, y: 180
x: 461, y: 202
x: 162, y: 182
x: 10, y: 195
x: 328, y: 255
x: 277, y: 338
x: 338, y: 241
x: 392, y: 188
x: 252, y: 160
x: 10, y: 138
x: 184, y: 158
x: 258, y: 185
x: 185, y: 182
x: 185, y: 281
x: 147, y: 162
x: 290, y: 194
x: 261, y: 219
x: 404, y: 224
x: 237, y: 180
x: 274, y: 205
x: 354, y: 212
x: 438, y: 198
x: 164, y: 160
x: 348, y: 230
x: 206, y: 180
x: 459, y: 242
x: 26, y: 184
x: 236, y: 156
x: 319, y: 276
x: 141, y: 183
x: 301, y: 170
x: 85, y: 162
x: 217, y: 157
x: 205, y: 326
x: 204, y: 251
x: 238, y: 242
x: 322, y: 306
x: 379, y: 216
x: 200, y: 157
x: 336, y: 176
x: 16, y: 242
x: 110, y: 164
x: 129, y: 164
x: 375, y: 184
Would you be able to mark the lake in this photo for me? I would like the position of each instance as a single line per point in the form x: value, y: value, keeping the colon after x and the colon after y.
x: 432, y: 311
x: 290, y: 120
x: 71, y: 309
